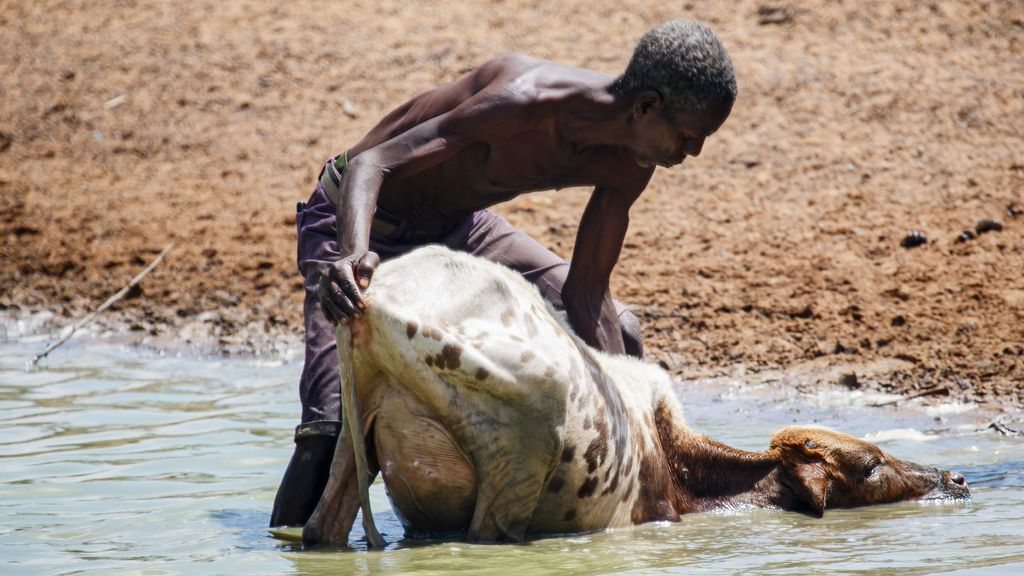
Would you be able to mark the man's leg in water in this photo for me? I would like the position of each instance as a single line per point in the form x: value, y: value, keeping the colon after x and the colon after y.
x: 317, y: 435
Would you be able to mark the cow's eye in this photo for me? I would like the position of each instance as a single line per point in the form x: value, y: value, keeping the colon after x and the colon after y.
x: 870, y: 468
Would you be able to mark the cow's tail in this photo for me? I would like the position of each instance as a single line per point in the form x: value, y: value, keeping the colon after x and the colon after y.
x: 352, y: 422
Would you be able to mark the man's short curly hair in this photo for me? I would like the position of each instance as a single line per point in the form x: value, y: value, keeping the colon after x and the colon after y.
x: 684, y: 62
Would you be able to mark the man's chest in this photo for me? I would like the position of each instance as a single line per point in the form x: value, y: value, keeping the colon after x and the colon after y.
x: 527, y: 163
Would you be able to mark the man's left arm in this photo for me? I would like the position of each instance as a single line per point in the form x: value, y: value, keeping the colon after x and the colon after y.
x: 586, y: 295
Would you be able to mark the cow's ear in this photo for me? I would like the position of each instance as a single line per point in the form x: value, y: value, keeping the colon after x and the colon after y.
x: 804, y: 470
x: 809, y: 483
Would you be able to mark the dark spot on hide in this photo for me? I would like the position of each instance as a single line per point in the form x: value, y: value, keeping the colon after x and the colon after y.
x: 569, y: 515
x: 556, y: 483
x: 507, y: 316
x: 587, y: 488
x: 429, y: 360
x: 568, y: 453
x: 526, y: 357
x: 410, y: 329
x: 482, y: 374
x: 597, y: 450
x: 549, y: 371
x: 449, y: 357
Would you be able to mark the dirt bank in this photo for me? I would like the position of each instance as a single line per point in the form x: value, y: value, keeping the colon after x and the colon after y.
x: 127, y: 125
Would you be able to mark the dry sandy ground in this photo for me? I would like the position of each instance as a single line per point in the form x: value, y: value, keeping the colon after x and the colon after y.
x: 126, y: 125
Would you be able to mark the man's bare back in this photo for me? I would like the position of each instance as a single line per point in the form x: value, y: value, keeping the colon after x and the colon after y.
x: 530, y: 152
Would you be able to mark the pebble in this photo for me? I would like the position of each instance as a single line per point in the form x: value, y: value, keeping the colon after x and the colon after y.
x: 966, y: 235
x: 987, y: 225
x: 913, y: 239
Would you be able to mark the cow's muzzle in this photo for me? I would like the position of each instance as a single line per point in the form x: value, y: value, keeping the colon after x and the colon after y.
x: 949, y: 486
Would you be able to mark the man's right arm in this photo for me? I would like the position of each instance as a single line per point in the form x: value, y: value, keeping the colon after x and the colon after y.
x: 483, y: 117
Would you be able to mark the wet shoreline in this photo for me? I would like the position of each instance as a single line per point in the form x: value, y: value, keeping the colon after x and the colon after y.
x: 868, y: 379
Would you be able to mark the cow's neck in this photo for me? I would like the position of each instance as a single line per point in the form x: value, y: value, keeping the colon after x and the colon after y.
x: 710, y: 475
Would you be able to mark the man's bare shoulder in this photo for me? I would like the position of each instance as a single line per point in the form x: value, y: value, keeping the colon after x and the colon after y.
x: 509, y: 64
x: 528, y: 80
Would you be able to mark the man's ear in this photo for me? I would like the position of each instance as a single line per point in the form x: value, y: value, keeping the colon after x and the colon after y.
x: 646, y: 101
x: 803, y: 470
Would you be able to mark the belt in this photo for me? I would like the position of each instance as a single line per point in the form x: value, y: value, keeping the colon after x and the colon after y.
x: 330, y: 176
x: 318, y: 428
x: 384, y: 222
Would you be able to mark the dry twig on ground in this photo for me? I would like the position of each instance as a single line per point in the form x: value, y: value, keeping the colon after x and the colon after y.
x: 109, y: 302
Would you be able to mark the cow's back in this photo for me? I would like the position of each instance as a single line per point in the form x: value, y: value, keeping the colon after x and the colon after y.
x: 470, y: 318
x: 525, y: 400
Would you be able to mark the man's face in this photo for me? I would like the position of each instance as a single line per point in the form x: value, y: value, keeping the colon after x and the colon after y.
x: 665, y: 140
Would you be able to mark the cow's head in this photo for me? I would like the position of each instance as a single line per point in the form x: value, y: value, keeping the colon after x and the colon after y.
x: 828, y: 469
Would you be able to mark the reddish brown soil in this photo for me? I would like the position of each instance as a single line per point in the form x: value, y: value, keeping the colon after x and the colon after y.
x: 126, y: 125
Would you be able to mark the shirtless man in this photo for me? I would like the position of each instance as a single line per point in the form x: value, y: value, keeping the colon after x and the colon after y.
x: 430, y: 169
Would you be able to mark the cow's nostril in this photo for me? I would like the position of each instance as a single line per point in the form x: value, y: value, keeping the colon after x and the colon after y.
x: 957, y: 478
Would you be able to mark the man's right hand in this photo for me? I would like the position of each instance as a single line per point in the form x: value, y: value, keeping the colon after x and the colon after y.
x: 341, y: 284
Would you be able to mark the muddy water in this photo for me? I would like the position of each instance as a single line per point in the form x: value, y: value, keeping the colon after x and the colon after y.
x: 119, y: 460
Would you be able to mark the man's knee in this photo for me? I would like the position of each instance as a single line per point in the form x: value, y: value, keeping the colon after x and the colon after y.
x: 632, y: 333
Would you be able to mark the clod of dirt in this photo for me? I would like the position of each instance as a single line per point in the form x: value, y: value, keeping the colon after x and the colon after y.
x: 842, y: 349
x: 988, y: 225
x: 5, y: 141
x: 914, y: 239
x: 898, y: 292
x: 966, y: 235
x: 1014, y: 210
x: 774, y: 15
x: 134, y: 292
x: 850, y: 381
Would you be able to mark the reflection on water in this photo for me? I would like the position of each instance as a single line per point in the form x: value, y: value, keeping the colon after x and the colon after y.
x: 118, y: 460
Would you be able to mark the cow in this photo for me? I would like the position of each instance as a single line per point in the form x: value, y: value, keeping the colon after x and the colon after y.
x: 489, y: 420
